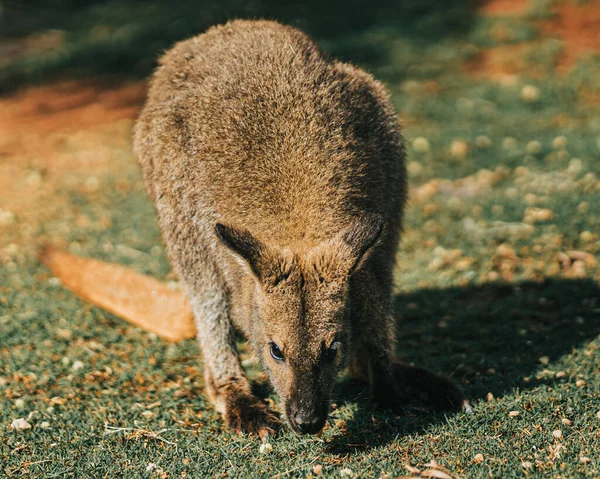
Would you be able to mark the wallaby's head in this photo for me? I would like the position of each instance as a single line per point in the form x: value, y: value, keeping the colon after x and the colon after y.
x: 300, y: 305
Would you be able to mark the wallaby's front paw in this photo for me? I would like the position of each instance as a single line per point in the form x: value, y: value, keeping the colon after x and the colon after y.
x: 409, y: 382
x: 245, y: 413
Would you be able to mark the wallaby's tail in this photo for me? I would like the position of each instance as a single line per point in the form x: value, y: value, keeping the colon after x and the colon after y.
x: 141, y: 300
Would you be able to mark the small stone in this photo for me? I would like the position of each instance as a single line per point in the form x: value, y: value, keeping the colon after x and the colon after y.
x: 19, y: 403
x: 533, y: 147
x: 497, y: 210
x: 20, y: 424
x: 45, y: 425
x: 530, y: 93
x: 6, y: 217
x: 565, y: 421
x: 557, y: 434
x: 534, y: 215
x: 580, y: 383
x: 317, y: 469
x: 559, y: 143
x: 421, y: 145
x: 575, y: 167
x: 346, y: 472
x: 483, y: 142
x: 65, y: 360
x: 91, y: 184
x: 584, y: 460
x: 514, y: 413
x: 414, y: 168
x: 34, y: 179
x: 64, y: 334
x: 77, y: 365
x: 527, y: 465
x: 561, y: 374
x: 509, y: 143
x: 506, y: 251
x: 544, y: 360
x: 583, y: 207
x: 459, y: 148
x: 266, y: 448
x: 489, y: 397
x: 587, y: 236
x: 478, y: 459
x: 493, y: 276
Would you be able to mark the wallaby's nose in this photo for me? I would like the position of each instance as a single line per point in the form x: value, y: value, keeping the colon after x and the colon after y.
x: 308, y: 424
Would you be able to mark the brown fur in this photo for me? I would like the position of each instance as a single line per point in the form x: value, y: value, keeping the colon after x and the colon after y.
x: 279, y: 179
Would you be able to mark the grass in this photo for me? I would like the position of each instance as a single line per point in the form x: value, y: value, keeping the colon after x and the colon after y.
x: 505, y: 303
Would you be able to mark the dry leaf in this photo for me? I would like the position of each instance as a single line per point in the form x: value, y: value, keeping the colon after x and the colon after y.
x: 412, y: 469
x: 141, y: 300
x: 436, y: 473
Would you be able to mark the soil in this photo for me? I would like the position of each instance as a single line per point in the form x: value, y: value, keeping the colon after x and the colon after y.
x: 58, y: 138
x: 576, y: 25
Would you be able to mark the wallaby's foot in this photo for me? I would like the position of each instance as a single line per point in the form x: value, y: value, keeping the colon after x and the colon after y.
x: 245, y: 413
x: 409, y: 382
x: 241, y: 410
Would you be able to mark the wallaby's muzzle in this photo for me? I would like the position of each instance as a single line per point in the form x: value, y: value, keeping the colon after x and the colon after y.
x: 307, y: 417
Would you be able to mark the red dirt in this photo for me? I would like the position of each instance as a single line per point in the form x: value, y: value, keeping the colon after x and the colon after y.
x: 503, y: 7
x: 71, y: 105
x: 55, y: 138
x: 578, y: 26
x: 501, y: 63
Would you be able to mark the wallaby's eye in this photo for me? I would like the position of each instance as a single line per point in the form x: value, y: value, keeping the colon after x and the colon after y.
x: 276, y: 352
x: 331, y: 351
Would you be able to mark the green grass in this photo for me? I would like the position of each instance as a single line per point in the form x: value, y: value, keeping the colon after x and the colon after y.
x: 517, y: 330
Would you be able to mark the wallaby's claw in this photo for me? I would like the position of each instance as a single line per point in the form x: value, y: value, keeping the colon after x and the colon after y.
x: 247, y: 414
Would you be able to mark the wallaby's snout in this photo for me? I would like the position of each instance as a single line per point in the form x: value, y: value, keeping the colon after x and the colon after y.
x: 307, y: 420
x: 308, y: 407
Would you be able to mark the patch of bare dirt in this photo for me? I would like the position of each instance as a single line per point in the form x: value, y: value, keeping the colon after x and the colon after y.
x: 55, y: 140
x: 578, y: 26
x: 70, y: 105
x: 502, y: 64
x: 503, y: 7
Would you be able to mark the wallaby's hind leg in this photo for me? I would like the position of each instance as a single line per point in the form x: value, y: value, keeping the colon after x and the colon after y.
x: 227, y: 385
x: 393, y: 384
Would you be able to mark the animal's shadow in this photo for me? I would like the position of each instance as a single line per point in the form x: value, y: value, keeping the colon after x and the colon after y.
x: 487, y: 338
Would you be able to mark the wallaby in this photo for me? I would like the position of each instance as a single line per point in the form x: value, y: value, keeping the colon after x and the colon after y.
x: 279, y: 179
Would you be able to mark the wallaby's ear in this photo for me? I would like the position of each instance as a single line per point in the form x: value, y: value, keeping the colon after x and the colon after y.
x: 360, y: 238
x: 243, y: 245
x: 346, y: 252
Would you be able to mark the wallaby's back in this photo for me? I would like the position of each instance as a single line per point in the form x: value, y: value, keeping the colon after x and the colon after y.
x: 251, y: 123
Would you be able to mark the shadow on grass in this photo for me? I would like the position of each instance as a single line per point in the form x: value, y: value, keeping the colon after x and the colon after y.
x: 488, y: 338
x: 123, y: 39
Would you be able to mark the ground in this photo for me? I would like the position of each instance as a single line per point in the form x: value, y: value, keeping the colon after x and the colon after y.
x: 498, y: 274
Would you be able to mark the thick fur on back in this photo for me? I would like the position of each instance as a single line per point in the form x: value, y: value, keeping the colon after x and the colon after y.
x: 253, y: 125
